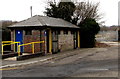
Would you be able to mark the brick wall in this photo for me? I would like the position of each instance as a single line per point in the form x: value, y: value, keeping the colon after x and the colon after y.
x: 65, y: 41
x: 33, y: 38
x: 30, y: 38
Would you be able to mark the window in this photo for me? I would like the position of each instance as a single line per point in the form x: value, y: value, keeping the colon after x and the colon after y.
x: 59, y: 32
x: 65, y: 31
x: 28, y: 32
x: 72, y: 32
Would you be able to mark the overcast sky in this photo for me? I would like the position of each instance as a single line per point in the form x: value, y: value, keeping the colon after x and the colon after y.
x: 18, y: 10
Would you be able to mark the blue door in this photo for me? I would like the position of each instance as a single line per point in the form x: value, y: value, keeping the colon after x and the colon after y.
x: 19, y: 38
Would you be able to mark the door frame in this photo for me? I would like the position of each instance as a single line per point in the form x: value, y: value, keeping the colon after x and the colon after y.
x: 21, y: 49
x: 48, y: 40
x: 75, y: 39
x: 56, y: 34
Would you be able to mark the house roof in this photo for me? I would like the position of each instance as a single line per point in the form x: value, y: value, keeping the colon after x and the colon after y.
x: 41, y: 21
x: 111, y: 28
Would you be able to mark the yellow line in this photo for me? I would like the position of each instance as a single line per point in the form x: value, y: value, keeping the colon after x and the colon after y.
x: 8, y: 68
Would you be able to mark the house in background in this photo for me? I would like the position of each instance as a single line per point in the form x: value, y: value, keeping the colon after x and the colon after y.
x: 59, y: 35
x: 108, y: 34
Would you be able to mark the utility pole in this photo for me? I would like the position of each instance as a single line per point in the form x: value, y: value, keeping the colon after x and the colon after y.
x: 31, y: 10
x: 118, y: 13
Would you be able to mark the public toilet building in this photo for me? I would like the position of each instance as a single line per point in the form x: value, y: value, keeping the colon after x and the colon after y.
x: 58, y: 35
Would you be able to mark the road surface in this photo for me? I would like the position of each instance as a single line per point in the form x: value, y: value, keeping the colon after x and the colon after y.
x: 103, y: 62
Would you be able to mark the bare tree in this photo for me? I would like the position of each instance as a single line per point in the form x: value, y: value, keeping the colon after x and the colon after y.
x: 86, y: 10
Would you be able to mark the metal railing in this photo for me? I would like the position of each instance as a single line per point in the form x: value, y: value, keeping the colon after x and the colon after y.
x: 5, y: 43
x: 31, y: 43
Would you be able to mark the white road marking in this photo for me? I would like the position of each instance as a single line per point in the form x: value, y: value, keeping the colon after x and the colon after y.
x: 80, y: 57
x: 95, y: 69
x: 13, y: 65
x: 99, y: 69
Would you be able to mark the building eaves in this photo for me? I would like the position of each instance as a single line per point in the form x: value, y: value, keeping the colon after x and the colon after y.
x: 41, y: 21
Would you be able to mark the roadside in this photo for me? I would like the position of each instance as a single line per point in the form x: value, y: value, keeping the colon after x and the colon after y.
x: 13, y: 63
x: 81, y: 53
x: 91, y: 62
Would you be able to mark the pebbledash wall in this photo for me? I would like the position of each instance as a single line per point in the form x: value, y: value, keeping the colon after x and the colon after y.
x: 65, y: 41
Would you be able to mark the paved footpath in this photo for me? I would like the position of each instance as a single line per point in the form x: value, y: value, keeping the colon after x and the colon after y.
x: 44, y: 59
x: 12, y: 61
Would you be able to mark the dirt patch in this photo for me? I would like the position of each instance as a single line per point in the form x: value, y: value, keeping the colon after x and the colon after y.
x: 99, y: 45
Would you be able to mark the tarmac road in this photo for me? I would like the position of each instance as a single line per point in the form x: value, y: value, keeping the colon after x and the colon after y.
x: 103, y: 62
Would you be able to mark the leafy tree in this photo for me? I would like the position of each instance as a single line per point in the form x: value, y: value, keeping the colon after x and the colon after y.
x: 66, y: 10
x: 52, y: 11
x: 63, y: 10
x: 84, y: 14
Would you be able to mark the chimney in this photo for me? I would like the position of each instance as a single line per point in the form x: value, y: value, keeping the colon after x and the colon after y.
x: 31, y: 10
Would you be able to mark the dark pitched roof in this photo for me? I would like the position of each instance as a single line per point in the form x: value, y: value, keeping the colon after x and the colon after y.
x: 40, y: 21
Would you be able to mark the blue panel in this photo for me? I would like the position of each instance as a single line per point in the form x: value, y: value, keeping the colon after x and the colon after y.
x: 19, y: 38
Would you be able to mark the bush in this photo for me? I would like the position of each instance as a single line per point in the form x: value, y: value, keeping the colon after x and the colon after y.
x: 88, y: 29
